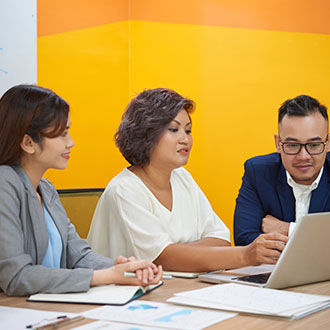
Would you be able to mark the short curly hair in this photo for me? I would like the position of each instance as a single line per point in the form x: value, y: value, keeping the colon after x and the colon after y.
x: 145, y: 119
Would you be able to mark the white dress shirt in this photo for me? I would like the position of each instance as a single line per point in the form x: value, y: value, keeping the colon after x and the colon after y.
x: 302, y: 194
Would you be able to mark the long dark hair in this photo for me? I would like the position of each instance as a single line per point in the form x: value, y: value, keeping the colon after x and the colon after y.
x: 32, y: 110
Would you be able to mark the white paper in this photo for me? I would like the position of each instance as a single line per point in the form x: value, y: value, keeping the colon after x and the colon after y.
x: 19, y: 318
x: 158, y: 315
x: 105, y: 325
x: 182, y: 274
x: 292, y: 314
x: 247, y: 298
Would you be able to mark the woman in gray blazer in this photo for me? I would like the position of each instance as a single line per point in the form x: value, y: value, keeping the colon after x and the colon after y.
x: 40, y: 251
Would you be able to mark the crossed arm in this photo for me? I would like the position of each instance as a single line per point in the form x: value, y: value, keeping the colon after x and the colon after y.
x: 271, y: 224
x: 251, y: 218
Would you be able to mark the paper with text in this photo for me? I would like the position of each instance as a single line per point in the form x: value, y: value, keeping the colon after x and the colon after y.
x: 159, y: 315
x: 106, y: 325
x: 19, y: 318
x: 248, y: 298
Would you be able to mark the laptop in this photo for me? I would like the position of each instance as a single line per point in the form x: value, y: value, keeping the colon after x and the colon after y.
x: 304, y: 260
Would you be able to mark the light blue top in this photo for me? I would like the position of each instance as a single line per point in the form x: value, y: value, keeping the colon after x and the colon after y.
x: 53, y: 254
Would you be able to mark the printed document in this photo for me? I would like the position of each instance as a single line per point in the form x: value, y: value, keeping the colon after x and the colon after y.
x: 158, y: 315
x: 248, y: 299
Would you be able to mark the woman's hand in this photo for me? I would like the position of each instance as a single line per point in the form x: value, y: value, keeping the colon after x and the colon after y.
x: 140, y: 274
x: 146, y: 273
x: 123, y: 260
x: 265, y: 249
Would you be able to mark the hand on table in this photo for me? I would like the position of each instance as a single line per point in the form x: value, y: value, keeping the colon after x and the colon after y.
x: 146, y: 273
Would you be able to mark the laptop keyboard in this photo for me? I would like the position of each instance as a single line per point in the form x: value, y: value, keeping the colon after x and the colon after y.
x: 259, y: 278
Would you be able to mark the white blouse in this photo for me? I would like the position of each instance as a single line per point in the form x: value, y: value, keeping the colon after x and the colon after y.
x: 130, y: 221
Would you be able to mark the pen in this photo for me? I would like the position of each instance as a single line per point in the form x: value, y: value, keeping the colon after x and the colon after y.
x: 165, y: 277
x: 33, y: 326
x: 57, y: 324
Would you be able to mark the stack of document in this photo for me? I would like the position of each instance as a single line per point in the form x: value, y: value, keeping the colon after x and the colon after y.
x: 253, y: 300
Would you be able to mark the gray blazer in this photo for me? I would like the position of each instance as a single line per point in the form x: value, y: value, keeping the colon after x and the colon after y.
x: 24, y: 240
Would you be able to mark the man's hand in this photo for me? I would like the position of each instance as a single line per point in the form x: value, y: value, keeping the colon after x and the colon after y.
x: 271, y: 224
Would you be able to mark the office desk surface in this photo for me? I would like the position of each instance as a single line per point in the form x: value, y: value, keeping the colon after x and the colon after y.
x: 319, y: 320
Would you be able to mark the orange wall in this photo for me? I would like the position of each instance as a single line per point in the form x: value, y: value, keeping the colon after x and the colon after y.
x: 280, y: 15
x: 64, y: 16
x: 239, y: 60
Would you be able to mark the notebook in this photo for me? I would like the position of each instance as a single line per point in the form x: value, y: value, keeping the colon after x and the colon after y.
x: 304, y: 260
x: 102, y: 295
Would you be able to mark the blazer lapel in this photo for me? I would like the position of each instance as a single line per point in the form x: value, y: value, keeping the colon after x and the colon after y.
x: 49, y: 197
x: 287, y: 200
x: 321, y: 195
x: 37, y: 217
x: 39, y: 227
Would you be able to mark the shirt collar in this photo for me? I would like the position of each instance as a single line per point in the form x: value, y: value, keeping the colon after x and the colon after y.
x: 293, y: 183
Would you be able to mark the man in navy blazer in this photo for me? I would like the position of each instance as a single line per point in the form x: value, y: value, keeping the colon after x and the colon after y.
x: 279, y: 188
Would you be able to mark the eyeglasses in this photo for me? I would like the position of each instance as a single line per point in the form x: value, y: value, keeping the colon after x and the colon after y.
x: 293, y: 148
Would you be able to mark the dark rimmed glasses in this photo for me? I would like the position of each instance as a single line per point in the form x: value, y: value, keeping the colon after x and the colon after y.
x: 313, y: 148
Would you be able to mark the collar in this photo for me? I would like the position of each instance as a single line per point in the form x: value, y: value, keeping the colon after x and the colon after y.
x: 294, y: 184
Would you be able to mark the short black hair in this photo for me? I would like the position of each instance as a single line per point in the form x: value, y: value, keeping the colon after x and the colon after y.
x: 302, y: 105
x: 145, y: 119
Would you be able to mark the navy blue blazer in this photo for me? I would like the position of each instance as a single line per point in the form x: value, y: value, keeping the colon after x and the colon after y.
x: 265, y: 191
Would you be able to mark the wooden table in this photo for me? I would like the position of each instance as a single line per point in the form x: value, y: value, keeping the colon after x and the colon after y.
x: 319, y: 320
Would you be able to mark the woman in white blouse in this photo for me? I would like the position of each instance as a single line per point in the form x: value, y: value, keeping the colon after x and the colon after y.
x: 154, y: 209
